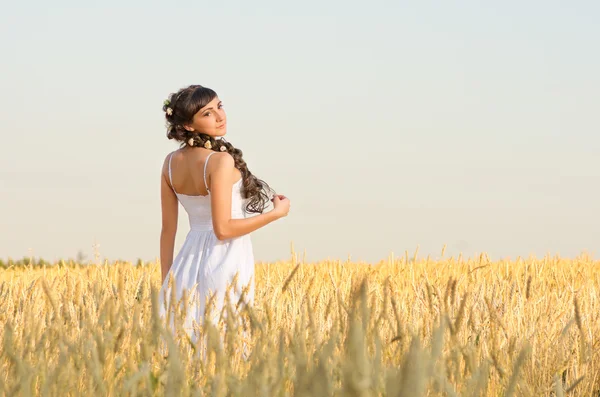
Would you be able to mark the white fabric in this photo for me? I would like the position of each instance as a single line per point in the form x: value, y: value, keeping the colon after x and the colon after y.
x: 205, y: 264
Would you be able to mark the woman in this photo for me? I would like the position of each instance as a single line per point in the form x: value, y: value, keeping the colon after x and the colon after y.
x: 217, y: 190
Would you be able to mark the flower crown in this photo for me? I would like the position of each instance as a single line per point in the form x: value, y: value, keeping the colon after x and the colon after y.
x: 169, y: 109
x: 167, y: 103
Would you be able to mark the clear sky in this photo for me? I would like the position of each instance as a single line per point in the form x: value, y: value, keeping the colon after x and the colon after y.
x: 390, y: 125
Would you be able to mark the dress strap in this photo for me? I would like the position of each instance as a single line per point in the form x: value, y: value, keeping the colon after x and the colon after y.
x: 170, y: 179
x: 205, y: 167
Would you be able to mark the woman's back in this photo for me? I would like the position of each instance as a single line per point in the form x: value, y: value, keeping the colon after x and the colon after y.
x: 189, y: 181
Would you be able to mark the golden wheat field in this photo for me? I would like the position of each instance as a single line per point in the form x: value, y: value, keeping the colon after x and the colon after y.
x: 405, y: 326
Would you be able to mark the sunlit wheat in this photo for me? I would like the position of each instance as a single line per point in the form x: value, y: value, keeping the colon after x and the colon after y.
x: 401, y: 327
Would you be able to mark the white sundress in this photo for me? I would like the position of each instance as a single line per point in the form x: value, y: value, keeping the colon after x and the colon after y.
x: 205, y: 264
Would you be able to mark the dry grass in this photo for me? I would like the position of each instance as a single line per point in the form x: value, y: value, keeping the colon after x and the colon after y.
x: 401, y: 327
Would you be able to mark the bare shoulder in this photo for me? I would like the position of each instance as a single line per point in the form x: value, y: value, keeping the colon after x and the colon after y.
x: 221, y: 160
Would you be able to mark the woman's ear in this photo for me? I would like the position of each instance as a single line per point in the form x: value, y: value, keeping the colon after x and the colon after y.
x: 187, y: 127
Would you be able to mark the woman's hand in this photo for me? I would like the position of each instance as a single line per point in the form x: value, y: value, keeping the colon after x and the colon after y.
x: 281, y: 205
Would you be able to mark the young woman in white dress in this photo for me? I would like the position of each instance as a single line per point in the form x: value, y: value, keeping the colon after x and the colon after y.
x: 209, y: 177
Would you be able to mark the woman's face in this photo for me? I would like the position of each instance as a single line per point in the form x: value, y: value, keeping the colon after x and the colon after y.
x: 210, y: 120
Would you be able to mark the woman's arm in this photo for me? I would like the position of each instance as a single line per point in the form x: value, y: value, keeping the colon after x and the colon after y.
x: 221, y: 175
x: 169, y: 205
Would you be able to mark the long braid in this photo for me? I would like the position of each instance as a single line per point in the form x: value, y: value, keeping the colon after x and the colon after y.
x: 252, y: 187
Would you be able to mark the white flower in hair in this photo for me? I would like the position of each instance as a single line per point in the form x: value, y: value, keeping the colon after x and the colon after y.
x: 191, y: 142
x: 208, y: 145
x: 223, y: 148
x: 169, y: 111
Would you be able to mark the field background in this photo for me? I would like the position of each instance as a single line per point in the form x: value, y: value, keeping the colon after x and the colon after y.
x: 406, y: 326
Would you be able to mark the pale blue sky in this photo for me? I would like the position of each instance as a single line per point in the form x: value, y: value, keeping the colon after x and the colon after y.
x: 388, y: 124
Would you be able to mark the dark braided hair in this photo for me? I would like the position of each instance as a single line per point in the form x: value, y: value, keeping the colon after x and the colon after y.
x: 183, y: 105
